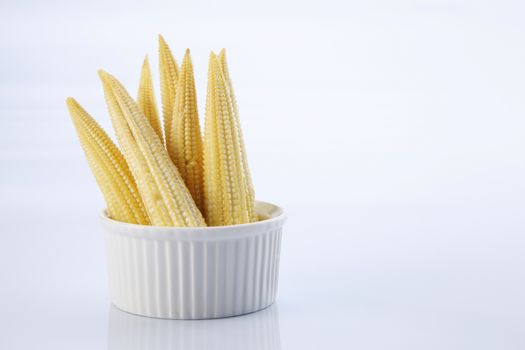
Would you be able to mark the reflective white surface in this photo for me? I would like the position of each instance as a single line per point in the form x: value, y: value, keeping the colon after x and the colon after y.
x: 259, y: 330
x: 391, y: 132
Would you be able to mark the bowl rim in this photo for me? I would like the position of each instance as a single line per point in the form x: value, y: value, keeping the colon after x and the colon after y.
x: 197, y: 233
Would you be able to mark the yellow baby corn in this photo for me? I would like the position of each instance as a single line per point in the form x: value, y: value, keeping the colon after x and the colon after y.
x: 166, y: 198
x: 146, y: 98
x: 185, y: 134
x: 169, y: 74
x: 109, y: 168
x: 228, y: 199
x: 167, y: 173
x: 245, y: 169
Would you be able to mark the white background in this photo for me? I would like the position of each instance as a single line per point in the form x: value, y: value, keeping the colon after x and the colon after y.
x: 392, y: 132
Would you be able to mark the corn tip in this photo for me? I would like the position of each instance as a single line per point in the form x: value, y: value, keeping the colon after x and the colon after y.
x: 103, y: 75
x: 187, y: 57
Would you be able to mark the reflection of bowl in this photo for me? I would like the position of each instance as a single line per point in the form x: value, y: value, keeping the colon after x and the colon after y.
x: 195, y: 273
x: 257, y: 331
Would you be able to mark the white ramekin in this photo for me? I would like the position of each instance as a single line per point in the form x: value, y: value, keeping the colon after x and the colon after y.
x: 194, y: 273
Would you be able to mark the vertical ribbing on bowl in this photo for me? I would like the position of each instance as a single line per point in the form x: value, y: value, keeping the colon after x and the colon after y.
x: 184, y: 278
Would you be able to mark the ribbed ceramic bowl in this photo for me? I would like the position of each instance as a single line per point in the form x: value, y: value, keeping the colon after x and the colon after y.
x: 194, y: 273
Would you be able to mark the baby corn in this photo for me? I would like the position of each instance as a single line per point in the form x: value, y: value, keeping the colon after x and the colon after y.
x: 245, y: 169
x: 166, y: 198
x: 185, y: 149
x: 169, y: 74
x: 168, y: 174
x: 109, y: 168
x: 146, y: 98
x: 228, y: 199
